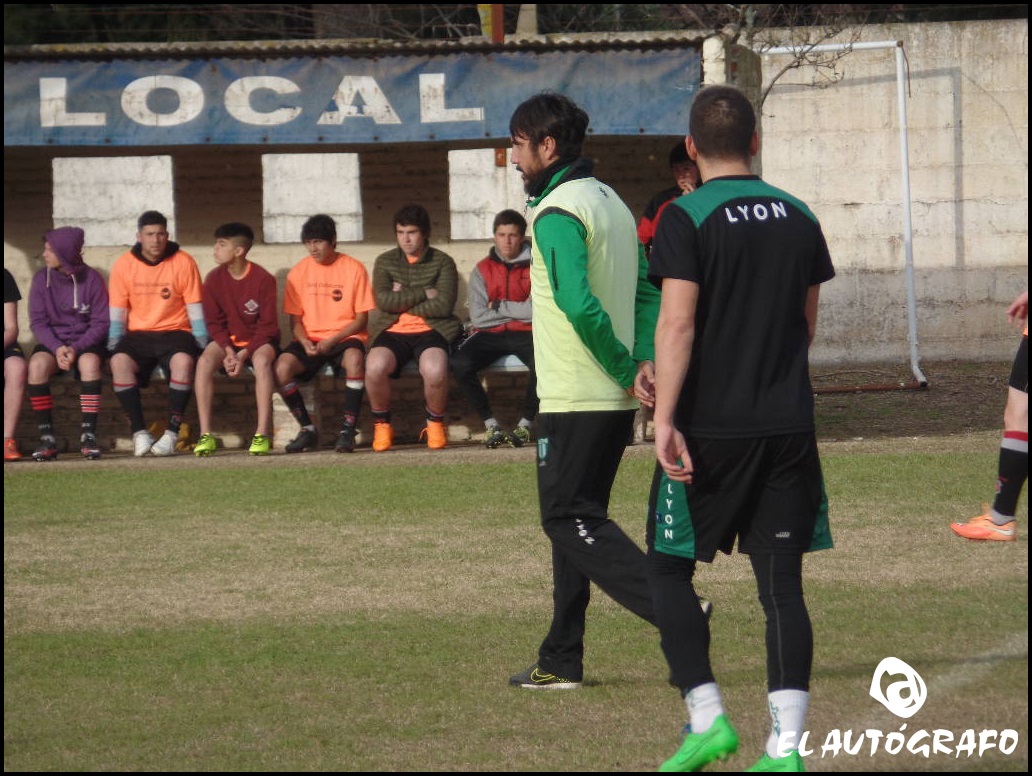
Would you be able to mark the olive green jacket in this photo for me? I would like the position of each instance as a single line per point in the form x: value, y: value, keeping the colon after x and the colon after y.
x: 435, y: 269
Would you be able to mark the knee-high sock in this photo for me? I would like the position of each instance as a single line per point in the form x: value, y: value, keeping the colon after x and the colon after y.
x: 1011, y: 474
x: 296, y: 403
x: 129, y: 398
x: 89, y: 404
x: 353, y: 392
x: 178, y: 398
x: 43, y: 406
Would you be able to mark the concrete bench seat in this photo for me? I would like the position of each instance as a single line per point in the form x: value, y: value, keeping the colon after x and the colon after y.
x: 503, y: 364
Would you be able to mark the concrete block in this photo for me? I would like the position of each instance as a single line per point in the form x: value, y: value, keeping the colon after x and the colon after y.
x: 106, y: 195
x: 297, y: 186
x: 478, y: 188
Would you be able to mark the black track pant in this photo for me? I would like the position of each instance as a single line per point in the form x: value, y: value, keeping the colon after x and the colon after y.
x: 577, y: 460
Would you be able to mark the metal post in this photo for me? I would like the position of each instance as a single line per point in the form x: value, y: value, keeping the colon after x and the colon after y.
x: 908, y: 230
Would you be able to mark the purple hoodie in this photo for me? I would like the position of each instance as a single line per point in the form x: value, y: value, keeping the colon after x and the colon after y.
x: 68, y: 306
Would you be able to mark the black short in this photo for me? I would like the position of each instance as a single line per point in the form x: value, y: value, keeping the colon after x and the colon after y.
x: 1019, y: 372
x: 13, y: 351
x: 768, y: 493
x: 406, y: 347
x: 150, y: 349
x: 99, y: 350
x: 312, y: 365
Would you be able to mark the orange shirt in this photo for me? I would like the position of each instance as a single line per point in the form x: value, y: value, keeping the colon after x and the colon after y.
x: 327, y: 297
x: 155, y: 296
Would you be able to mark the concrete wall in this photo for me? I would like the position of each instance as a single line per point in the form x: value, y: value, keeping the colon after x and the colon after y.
x: 835, y: 145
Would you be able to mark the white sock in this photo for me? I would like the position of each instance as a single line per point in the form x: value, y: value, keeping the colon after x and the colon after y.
x: 526, y: 423
x: 704, y: 705
x: 490, y: 424
x: 787, y: 714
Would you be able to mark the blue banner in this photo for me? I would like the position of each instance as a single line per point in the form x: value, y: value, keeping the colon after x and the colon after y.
x: 338, y: 100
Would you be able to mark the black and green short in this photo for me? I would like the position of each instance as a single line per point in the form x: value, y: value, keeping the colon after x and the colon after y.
x: 765, y: 493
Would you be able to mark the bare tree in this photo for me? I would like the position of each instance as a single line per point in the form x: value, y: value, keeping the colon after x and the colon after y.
x: 749, y: 24
x: 761, y: 27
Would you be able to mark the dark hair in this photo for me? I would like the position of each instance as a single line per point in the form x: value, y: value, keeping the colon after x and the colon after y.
x: 319, y: 227
x: 413, y: 215
x: 505, y: 217
x: 236, y: 231
x: 150, y: 218
x: 679, y: 153
x: 722, y: 123
x: 551, y: 115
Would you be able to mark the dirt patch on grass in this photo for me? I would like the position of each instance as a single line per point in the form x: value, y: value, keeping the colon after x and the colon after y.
x: 886, y: 400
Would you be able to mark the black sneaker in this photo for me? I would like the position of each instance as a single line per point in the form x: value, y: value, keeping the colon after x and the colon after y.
x: 345, y: 440
x: 307, y: 439
x: 519, y: 436
x: 47, y: 450
x: 495, y: 438
x: 536, y: 679
x: 89, y: 447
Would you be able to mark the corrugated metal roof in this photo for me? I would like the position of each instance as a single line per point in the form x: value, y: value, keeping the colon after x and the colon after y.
x: 356, y: 47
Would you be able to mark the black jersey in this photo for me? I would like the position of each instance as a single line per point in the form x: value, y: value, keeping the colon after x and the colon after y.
x: 754, y: 251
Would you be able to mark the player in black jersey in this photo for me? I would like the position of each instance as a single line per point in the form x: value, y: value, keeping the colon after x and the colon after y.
x: 740, y: 264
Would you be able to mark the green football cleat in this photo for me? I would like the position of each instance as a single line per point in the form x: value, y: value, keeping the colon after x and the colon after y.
x: 790, y: 763
x: 205, y: 446
x: 260, y: 445
x: 700, y: 749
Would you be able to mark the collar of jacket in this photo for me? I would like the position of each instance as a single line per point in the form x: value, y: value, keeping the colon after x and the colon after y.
x: 423, y: 257
x: 555, y: 175
x: 523, y: 257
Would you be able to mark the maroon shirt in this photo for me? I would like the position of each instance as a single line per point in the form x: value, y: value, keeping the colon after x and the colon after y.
x: 241, y: 312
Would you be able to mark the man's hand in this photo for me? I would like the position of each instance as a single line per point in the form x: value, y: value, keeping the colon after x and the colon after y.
x: 672, y: 453
x: 233, y: 363
x: 310, y: 347
x: 644, y: 387
x: 65, y: 357
x: 1017, y: 313
x: 325, y: 346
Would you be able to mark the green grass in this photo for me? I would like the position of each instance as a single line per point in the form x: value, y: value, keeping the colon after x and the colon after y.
x: 366, y: 618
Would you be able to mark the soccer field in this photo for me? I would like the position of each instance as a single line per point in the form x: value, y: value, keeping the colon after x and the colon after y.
x: 363, y: 613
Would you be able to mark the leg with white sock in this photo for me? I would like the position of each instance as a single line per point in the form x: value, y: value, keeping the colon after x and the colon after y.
x: 685, y: 641
x: 789, y: 643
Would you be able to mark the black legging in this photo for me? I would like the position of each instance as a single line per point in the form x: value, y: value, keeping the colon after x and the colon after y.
x: 685, y: 635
